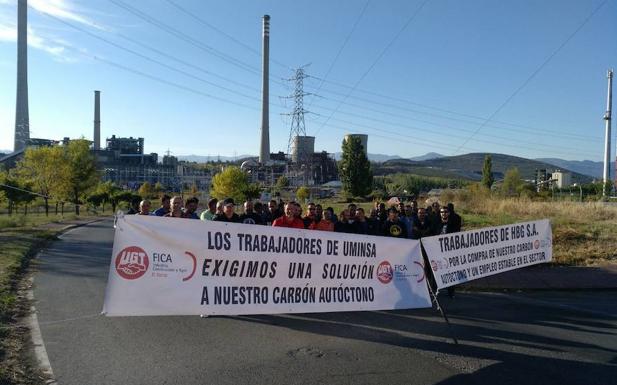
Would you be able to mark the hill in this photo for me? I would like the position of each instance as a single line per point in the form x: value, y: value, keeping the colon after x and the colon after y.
x: 585, y: 167
x: 469, y: 167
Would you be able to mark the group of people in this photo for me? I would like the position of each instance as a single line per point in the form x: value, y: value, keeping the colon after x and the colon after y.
x: 400, y: 221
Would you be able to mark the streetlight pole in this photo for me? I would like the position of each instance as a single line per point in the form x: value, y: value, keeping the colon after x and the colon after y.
x: 580, y: 189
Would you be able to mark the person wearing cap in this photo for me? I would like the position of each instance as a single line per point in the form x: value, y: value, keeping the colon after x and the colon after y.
x: 394, y: 227
x: 228, y: 214
x: 289, y: 219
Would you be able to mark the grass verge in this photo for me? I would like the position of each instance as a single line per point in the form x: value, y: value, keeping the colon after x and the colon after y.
x: 20, y: 239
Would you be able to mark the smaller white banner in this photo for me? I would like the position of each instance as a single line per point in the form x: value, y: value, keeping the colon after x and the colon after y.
x: 461, y: 257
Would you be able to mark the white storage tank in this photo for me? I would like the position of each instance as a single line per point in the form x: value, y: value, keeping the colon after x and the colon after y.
x: 302, y: 148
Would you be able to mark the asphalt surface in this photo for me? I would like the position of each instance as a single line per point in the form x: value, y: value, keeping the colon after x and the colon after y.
x: 532, y: 337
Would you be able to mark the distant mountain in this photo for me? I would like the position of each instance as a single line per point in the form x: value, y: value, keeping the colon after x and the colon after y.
x: 214, y: 158
x: 379, y: 158
x: 585, y: 167
x: 427, y: 156
x: 469, y: 166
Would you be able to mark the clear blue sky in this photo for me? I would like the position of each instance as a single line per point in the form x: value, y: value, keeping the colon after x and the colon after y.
x: 416, y: 76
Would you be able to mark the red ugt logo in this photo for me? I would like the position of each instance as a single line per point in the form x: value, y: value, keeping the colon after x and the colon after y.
x: 132, y: 262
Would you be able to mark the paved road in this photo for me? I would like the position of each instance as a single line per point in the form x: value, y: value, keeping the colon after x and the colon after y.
x: 526, y: 338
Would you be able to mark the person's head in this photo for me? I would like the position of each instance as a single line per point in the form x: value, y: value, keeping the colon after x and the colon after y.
x: 319, y: 211
x: 360, y: 216
x: 191, y: 205
x: 344, y: 216
x: 445, y: 214
x: 381, y: 207
x: 219, y: 207
x: 166, y: 202
x: 414, y: 206
x: 272, y: 206
x: 258, y: 207
x: 421, y: 214
x: 176, y: 204
x: 451, y: 207
x: 144, y: 207
x: 401, y: 208
x: 298, y: 208
x: 290, y: 210
x: 248, y: 207
x: 212, y: 204
x: 311, y: 210
x: 328, y: 214
x: 392, y: 214
x: 408, y: 211
x: 435, y: 207
x: 228, y: 207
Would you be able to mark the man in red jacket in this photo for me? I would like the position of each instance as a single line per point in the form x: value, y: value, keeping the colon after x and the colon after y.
x: 289, y: 219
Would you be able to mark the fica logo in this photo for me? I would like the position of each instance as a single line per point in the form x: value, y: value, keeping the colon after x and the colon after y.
x: 132, y: 262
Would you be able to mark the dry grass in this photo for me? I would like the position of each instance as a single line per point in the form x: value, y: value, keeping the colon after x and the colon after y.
x: 583, y: 233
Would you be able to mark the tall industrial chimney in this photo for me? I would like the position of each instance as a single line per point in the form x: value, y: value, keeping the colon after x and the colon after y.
x: 97, y: 120
x: 607, y: 141
x: 22, y: 119
x: 264, y: 148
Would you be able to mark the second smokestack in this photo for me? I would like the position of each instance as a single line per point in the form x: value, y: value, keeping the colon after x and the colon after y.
x: 264, y: 148
x: 97, y: 120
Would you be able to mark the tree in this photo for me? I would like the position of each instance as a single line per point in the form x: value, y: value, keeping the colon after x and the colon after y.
x: 355, y: 169
x: 303, y: 193
x: 43, y: 168
x: 511, y: 182
x: 487, y: 173
x: 281, y: 183
x: 194, y: 189
x: 232, y: 182
x: 158, y: 188
x: 82, y: 173
x: 145, y: 190
x: 252, y: 191
x: 15, y: 190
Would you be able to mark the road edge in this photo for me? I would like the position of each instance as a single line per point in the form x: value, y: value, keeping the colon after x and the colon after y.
x: 36, y: 337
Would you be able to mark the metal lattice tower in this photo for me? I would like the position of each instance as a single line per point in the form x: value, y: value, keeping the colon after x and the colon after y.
x: 297, y: 116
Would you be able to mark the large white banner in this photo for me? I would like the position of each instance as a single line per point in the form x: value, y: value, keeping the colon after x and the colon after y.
x: 461, y: 257
x: 170, y: 266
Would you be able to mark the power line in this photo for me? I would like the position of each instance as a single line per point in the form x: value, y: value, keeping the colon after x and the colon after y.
x: 341, y: 48
x: 458, y: 129
x: 186, y: 38
x: 381, y: 54
x: 533, y: 74
x: 205, y: 23
x: 526, y: 128
x: 425, y: 140
x: 133, y: 52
